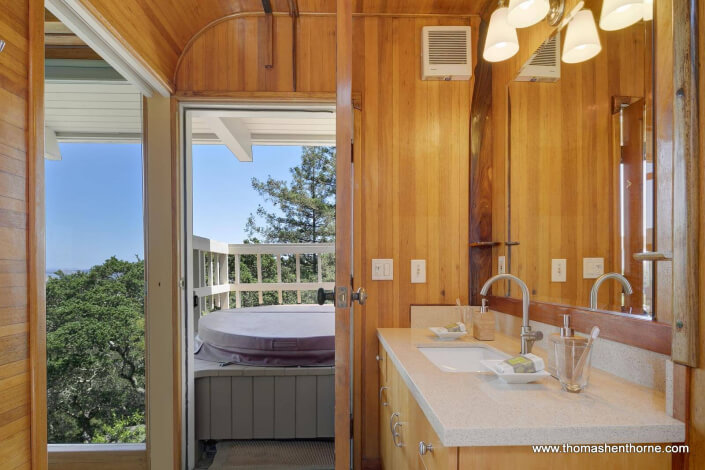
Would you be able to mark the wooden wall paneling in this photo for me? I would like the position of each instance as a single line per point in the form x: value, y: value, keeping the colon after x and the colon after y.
x: 697, y: 376
x: 686, y: 185
x: 343, y: 229
x: 21, y: 269
x: 243, y: 67
x: 415, y: 183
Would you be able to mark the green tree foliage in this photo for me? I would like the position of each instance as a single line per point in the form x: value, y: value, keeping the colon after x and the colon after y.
x: 95, y: 354
x: 305, y: 205
x: 304, y: 213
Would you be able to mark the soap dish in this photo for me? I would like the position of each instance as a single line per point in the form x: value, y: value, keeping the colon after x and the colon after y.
x: 513, y: 377
x: 442, y: 333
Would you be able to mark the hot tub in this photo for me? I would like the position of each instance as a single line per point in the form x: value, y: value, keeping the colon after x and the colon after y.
x: 273, y: 335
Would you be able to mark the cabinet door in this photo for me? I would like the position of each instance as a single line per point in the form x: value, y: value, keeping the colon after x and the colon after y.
x: 437, y: 457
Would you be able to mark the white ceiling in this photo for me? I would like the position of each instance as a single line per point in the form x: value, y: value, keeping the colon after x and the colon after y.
x: 102, y: 111
x: 81, y: 111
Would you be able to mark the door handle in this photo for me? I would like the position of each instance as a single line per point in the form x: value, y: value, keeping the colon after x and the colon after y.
x: 324, y: 295
x: 360, y: 296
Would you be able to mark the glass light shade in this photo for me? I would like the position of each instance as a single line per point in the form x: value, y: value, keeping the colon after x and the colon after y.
x: 582, y: 41
x: 648, y: 10
x: 501, y: 42
x: 618, y: 14
x: 523, y: 13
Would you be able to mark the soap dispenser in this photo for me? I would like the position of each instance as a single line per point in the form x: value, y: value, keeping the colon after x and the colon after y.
x: 483, y: 323
x: 572, y: 368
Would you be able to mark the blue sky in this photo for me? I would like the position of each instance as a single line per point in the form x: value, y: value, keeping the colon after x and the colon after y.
x: 94, y: 199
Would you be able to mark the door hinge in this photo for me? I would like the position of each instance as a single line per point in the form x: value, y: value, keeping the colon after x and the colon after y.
x: 352, y: 151
x: 352, y: 427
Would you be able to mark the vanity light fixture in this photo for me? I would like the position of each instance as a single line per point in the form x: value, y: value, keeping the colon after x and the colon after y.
x: 501, y: 42
x: 524, y: 13
x: 582, y: 41
x: 648, y: 10
x: 618, y: 14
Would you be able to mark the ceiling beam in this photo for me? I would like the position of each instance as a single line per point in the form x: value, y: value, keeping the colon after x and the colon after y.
x: 233, y: 134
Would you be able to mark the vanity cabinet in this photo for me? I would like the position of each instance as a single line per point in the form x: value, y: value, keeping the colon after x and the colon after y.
x: 403, y: 426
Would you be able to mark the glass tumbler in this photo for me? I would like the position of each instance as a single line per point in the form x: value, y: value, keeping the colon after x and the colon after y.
x: 572, y: 363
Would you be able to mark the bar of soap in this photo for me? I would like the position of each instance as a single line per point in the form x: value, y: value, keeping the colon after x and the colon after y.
x: 522, y: 364
x: 455, y: 327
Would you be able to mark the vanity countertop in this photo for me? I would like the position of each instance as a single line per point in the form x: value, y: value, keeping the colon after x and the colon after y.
x: 478, y: 409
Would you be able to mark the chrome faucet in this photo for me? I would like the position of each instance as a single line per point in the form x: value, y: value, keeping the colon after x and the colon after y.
x: 528, y: 337
x: 598, y: 282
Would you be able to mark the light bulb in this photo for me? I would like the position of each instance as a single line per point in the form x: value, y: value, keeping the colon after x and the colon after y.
x: 618, y: 14
x: 501, y: 42
x: 523, y: 13
x: 582, y: 41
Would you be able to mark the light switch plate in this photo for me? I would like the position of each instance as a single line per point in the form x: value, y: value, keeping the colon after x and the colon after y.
x: 593, y: 268
x: 501, y: 266
x: 382, y: 269
x: 558, y: 267
x: 418, y: 271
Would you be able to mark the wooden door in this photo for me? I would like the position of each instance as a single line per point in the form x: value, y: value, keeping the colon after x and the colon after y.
x: 343, y: 232
x: 633, y: 202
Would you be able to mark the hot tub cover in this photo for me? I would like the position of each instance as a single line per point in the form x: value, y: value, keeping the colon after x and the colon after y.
x: 276, y: 335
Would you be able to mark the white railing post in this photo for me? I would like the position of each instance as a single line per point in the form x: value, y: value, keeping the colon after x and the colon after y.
x: 259, y: 277
x: 319, y: 267
x: 238, y: 293
x: 279, y: 278
x: 212, y: 284
x: 298, y: 277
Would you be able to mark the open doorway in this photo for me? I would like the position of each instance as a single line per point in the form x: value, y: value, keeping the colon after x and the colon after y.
x: 260, y: 193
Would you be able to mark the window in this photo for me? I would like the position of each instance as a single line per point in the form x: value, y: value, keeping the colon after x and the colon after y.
x: 95, y: 294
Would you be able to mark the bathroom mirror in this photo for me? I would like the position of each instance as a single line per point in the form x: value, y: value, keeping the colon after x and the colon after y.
x: 580, y: 173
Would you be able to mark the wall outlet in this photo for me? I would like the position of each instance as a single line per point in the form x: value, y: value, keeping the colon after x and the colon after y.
x: 593, y: 268
x: 382, y: 269
x: 501, y: 267
x: 558, y: 268
x: 418, y: 271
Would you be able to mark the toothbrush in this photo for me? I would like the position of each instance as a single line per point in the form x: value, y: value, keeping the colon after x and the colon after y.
x: 583, y: 357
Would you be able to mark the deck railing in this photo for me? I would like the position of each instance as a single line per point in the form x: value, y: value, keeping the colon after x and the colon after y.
x: 212, y: 274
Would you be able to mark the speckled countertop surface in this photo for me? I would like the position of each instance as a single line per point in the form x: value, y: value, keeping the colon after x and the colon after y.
x: 471, y: 409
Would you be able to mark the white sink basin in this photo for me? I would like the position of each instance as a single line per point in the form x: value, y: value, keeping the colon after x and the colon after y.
x: 461, y: 359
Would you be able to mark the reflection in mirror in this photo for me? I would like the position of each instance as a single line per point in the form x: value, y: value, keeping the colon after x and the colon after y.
x: 581, y: 174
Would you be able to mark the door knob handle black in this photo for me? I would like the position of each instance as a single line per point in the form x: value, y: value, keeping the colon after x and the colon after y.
x: 324, y: 295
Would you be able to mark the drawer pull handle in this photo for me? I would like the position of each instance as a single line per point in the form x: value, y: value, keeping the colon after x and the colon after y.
x: 391, y: 421
x: 381, y: 390
x: 396, y: 434
x: 424, y: 448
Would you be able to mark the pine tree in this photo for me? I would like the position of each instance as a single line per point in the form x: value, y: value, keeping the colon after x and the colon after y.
x: 306, y: 205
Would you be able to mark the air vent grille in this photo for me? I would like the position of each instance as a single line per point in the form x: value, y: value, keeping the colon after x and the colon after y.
x: 447, y: 47
x: 546, y: 53
x: 545, y: 64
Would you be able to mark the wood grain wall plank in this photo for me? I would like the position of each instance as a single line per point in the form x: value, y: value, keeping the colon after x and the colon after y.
x: 16, y: 121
